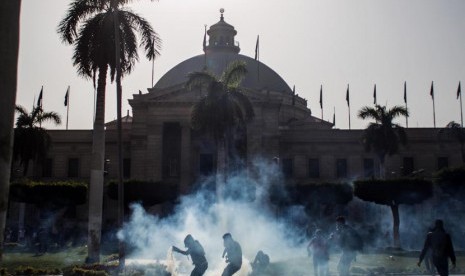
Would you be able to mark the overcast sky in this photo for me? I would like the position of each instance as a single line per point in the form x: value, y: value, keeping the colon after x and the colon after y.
x: 308, y: 42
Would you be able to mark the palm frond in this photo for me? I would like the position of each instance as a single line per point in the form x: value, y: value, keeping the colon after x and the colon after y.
x: 197, y: 79
x: 78, y: 11
x: 397, y: 111
x: 234, y: 73
x: 49, y: 117
x: 150, y: 40
x: 368, y: 113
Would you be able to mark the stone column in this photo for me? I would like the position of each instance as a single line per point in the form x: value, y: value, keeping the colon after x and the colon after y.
x: 186, y: 164
x: 154, y: 152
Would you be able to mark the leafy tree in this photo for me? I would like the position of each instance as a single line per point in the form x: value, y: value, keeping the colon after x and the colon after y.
x: 58, y: 193
x: 383, y: 136
x: 224, y: 108
x: 458, y: 133
x: 452, y: 182
x: 104, y: 34
x: 31, y: 140
x: 9, y: 48
x: 392, y: 193
x: 147, y: 193
x: 316, y: 195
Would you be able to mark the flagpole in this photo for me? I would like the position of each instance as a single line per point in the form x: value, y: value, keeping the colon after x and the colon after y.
x: 348, y: 102
x: 461, y: 112
x: 205, y: 47
x: 334, y: 116
x: 434, y: 115
x: 39, y: 104
x: 434, y: 108
x: 405, y: 100
x: 153, y: 60
x: 67, y: 109
x: 257, y: 56
x: 321, y: 101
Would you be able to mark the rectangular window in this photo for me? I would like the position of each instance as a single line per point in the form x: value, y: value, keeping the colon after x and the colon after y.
x: 73, y: 167
x: 127, y: 167
x: 206, y: 164
x: 443, y: 162
x: 288, y: 167
x: 368, y: 167
x: 408, y: 166
x: 313, y: 168
x: 47, y: 166
x: 171, y: 154
x: 341, y: 168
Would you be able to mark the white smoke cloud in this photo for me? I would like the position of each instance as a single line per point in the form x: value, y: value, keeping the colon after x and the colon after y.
x: 251, y: 222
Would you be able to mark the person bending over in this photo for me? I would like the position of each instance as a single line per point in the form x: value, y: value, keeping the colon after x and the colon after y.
x: 195, y: 250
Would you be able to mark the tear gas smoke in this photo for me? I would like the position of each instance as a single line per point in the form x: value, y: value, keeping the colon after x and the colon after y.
x: 251, y: 223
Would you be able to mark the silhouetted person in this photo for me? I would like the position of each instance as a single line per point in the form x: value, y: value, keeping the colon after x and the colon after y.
x: 440, y: 244
x: 260, y: 263
x: 318, y: 247
x: 233, y: 253
x: 429, y: 258
x: 349, y: 242
x: 195, y: 250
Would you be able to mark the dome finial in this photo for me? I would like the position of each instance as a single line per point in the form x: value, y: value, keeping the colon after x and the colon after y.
x: 222, y: 11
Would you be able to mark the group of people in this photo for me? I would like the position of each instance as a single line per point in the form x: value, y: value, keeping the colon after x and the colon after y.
x: 437, y: 248
x: 345, y: 237
x: 232, y: 252
x: 438, y: 245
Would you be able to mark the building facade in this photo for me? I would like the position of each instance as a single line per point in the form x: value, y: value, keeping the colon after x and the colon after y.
x: 160, y: 145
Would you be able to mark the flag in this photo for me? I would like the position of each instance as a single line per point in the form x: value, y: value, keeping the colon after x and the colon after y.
x: 374, y: 95
x: 405, y: 91
x: 321, y: 96
x: 39, y: 100
x: 432, y: 91
x: 459, y: 91
x: 347, y: 96
x: 334, y: 117
x: 256, y: 48
x: 66, y: 96
x: 205, y: 39
x: 293, y: 95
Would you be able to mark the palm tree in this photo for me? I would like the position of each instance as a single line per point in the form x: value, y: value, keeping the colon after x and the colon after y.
x: 9, y: 47
x: 106, y: 40
x: 383, y: 136
x: 224, y: 108
x: 457, y: 131
x: 31, y: 140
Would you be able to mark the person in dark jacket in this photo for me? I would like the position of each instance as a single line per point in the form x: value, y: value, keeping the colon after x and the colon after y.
x: 318, y: 247
x: 233, y: 253
x: 349, y: 242
x: 440, y: 244
x: 260, y: 263
x: 195, y: 250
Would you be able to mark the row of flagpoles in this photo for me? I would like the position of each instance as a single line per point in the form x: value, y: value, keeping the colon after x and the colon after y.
x: 66, y: 102
x: 459, y: 92
x: 459, y: 96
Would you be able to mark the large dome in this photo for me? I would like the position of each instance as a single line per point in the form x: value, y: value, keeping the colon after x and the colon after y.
x: 222, y: 49
x: 259, y: 76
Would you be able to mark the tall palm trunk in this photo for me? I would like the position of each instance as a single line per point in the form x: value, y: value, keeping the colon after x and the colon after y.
x: 96, y: 172
x: 9, y: 47
x: 221, y: 165
x: 395, y: 225
x: 119, y: 92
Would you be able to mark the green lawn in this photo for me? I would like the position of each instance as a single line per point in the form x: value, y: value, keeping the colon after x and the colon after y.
x: 374, y: 264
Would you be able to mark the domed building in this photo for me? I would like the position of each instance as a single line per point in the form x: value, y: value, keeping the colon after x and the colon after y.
x: 163, y: 145
x: 159, y: 145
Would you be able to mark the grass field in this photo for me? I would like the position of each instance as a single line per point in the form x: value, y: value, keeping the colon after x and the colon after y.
x: 366, y: 264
